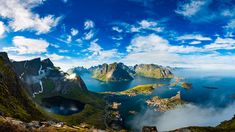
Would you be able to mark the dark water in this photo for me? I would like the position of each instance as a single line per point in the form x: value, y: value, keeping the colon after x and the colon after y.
x: 62, y: 106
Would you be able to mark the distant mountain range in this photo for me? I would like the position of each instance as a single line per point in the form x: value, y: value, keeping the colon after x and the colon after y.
x: 121, y: 72
x: 23, y: 83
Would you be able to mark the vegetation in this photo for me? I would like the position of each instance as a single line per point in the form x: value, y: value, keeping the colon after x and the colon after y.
x: 142, y: 89
x: 14, y: 101
x: 153, y: 71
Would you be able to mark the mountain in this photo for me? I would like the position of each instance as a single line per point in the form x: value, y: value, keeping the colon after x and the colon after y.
x: 78, y: 70
x: 14, y: 100
x: 42, y: 75
x: 44, y: 80
x: 112, y: 72
x: 153, y: 71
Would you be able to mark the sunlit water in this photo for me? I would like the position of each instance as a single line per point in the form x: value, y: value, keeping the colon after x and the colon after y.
x: 210, y: 89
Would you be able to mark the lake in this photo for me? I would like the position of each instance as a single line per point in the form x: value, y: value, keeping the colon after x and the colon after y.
x: 61, y: 105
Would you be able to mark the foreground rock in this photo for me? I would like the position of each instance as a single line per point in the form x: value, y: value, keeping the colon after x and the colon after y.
x: 165, y: 104
x: 8, y: 124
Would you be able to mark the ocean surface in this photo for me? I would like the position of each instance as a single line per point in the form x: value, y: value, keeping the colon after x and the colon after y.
x: 211, y: 90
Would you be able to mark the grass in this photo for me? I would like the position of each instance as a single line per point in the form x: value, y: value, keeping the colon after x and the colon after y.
x: 142, y: 89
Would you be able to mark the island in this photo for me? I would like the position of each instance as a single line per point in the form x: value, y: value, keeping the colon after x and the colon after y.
x: 141, y: 89
x: 165, y: 104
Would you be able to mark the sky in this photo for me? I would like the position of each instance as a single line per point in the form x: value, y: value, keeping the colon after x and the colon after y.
x: 177, y: 33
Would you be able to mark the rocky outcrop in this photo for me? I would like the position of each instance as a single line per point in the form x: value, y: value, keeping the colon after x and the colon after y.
x: 41, y: 75
x: 153, y: 71
x: 8, y: 124
x: 165, y: 104
x: 112, y: 72
x: 14, y: 101
x: 186, y: 85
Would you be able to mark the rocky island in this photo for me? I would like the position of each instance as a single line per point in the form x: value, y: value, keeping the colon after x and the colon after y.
x: 141, y: 89
x: 112, y: 72
x: 165, y: 104
x: 186, y: 85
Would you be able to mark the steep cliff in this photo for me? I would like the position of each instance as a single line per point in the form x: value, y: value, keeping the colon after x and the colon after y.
x: 112, y: 72
x: 14, y: 101
x: 153, y: 71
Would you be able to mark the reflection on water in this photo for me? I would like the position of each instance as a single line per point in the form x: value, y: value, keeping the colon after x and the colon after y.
x: 62, y: 106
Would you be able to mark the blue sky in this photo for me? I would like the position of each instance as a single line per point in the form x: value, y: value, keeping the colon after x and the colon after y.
x: 184, y: 33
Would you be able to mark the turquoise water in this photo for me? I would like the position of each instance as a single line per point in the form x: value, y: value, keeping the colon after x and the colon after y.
x: 99, y: 86
x: 210, y: 89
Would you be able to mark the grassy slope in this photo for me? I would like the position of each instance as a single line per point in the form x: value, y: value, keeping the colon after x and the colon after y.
x: 14, y: 101
x: 92, y: 113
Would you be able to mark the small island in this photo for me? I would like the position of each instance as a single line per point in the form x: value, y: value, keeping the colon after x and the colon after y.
x: 186, y: 85
x: 165, y: 104
x: 141, y: 89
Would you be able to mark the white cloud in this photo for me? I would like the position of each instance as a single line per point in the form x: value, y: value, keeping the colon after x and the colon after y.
x: 195, y: 42
x: 89, y: 35
x: 69, y: 39
x: 55, y: 45
x: 117, y: 38
x: 230, y: 27
x: 190, y: 115
x: 205, y: 10
x: 89, y: 24
x: 20, y: 16
x: 194, y: 37
x: 191, y: 8
x: 99, y: 53
x: 74, y: 32
x: 117, y: 29
x: 24, y: 45
x: 157, y: 50
x: 55, y: 56
x: 156, y: 43
x: 2, y: 29
x: 222, y: 43
x: 63, y: 51
x: 147, y: 24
